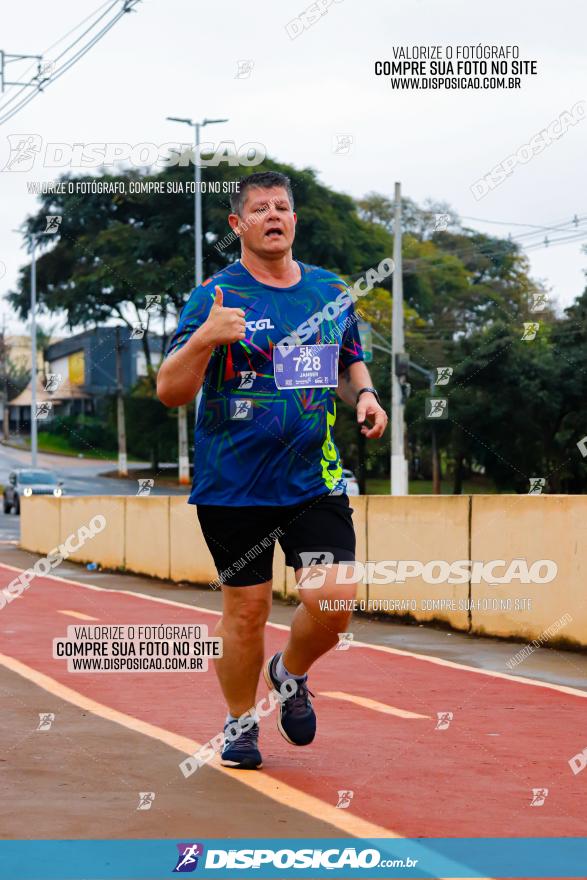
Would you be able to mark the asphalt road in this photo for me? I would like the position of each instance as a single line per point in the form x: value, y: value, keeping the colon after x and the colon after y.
x: 80, y: 477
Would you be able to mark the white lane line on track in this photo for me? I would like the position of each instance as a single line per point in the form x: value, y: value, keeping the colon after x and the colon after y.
x: 367, y: 703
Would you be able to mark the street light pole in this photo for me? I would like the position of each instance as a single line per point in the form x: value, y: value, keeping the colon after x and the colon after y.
x: 399, y: 481
x: 33, y: 351
x: 184, y: 464
x: 198, y: 186
x: 198, y: 206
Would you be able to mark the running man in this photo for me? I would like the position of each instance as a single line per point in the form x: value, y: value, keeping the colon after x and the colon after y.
x: 266, y: 467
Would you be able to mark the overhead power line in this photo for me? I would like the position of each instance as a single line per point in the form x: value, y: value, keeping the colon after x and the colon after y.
x: 39, y: 81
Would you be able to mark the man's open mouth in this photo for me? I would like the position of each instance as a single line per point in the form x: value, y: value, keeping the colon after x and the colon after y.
x: 274, y: 232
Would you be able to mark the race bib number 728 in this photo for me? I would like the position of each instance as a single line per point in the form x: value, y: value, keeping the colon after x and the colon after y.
x: 306, y: 366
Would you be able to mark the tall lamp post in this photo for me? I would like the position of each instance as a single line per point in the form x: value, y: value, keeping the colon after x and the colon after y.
x: 198, y: 180
x: 33, y: 350
x: 51, y: 229
x: 399, y: 465
x: 184, y: 465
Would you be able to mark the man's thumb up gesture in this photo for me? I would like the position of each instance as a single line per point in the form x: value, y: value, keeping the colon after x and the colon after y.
x: 224, y: 325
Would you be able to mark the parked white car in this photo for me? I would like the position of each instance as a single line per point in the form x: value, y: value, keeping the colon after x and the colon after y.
x: 352, y: 486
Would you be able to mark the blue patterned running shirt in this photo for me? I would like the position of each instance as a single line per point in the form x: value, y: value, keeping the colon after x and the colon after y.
x: 282, y: 453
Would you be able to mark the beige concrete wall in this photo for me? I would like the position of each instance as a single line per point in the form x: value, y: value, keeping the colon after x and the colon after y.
x: 190, y: 559
x: 160, y: 536
x: 39, y: 523
x: 422, y: 528
x: 532, y: 528
x: 146, y: 534
x: 107, y: 547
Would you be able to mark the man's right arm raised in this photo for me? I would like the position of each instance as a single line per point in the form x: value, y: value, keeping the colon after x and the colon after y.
x: 182, y: 373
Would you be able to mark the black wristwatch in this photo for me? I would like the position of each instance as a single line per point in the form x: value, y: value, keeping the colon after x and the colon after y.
x: 372, y: 391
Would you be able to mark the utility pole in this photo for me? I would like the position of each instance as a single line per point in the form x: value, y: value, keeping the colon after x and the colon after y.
x: 120, y: 423
x: 51, y: 228
x: 399, y: 473
x: 182, y: 429
x: 6, y: 412
x: 431, y: 376
x: 33, y: 351
x: 435, y: 463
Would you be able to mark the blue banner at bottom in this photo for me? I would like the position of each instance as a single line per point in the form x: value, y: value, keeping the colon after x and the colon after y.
x: 273, y: 858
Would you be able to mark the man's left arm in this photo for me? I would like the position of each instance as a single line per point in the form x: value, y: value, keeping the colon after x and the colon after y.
x: 350, y: 382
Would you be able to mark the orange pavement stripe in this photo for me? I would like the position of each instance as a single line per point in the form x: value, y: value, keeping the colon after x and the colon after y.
x: 77, y: 614
x: 263, y: 784
x: 371, y: 704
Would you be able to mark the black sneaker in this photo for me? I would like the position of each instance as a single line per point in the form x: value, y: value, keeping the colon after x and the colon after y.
x: 296, y: 720
x: 241, y: 752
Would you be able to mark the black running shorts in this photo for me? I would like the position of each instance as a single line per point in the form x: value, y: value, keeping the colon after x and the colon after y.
x: 242, y: 539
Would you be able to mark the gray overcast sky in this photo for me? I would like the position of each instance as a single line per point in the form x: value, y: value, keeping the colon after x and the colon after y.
x: 180, y: 58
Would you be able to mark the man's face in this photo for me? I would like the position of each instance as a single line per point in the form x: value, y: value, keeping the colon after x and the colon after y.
x: 267, y: 226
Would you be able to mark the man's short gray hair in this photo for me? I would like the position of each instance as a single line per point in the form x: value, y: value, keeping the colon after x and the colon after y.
x: 259, y: 180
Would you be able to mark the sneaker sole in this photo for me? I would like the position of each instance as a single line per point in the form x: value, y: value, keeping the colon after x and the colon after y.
x: 271, y: 686
x: 241, y: 765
